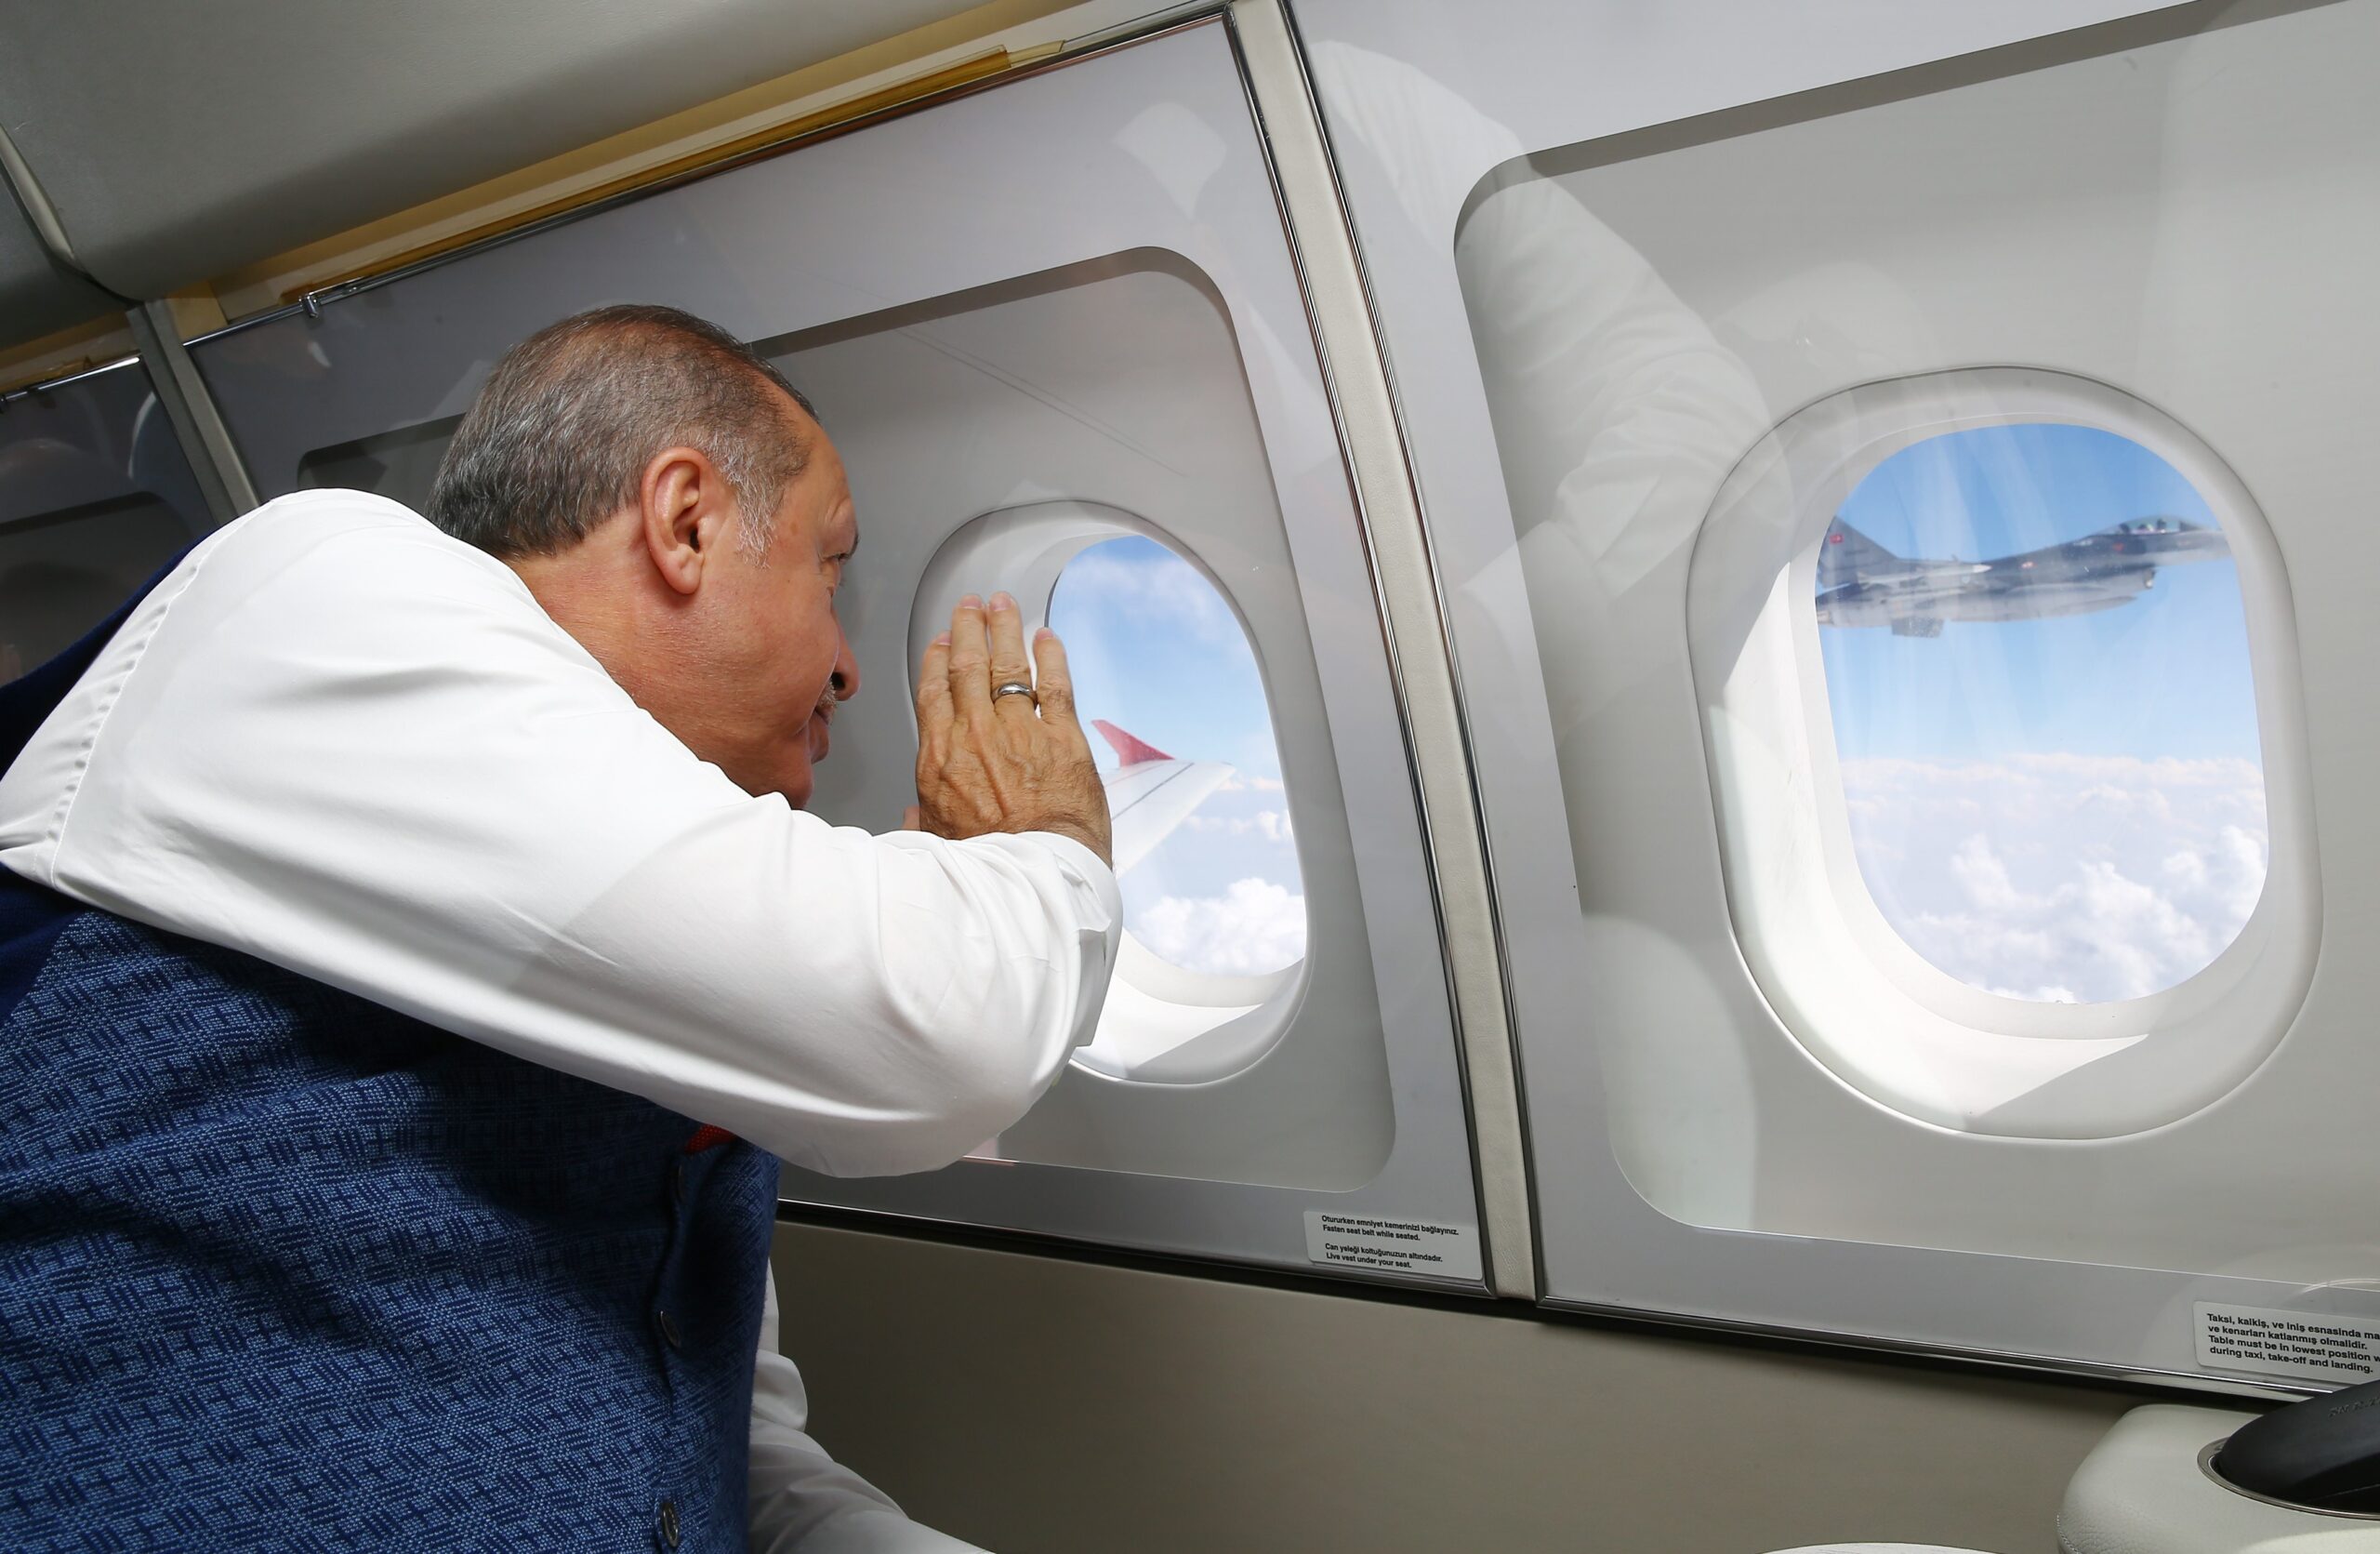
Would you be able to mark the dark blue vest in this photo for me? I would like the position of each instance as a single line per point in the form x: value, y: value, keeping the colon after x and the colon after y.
x: 284, y: 1269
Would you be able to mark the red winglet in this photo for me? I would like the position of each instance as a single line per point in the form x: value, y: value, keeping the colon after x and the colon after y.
x: 1131, y: 751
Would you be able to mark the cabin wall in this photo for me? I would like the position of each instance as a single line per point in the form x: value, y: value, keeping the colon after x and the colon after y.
x: 1038, y: 1404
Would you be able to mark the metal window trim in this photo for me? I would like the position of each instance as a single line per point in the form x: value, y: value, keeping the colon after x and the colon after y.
x: 197, y: 424
x: 47, y: 223
x: 42, y: 388
x: 1405, y: 577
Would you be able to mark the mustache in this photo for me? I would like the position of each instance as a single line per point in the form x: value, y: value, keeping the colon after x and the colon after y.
x: 829, y: 704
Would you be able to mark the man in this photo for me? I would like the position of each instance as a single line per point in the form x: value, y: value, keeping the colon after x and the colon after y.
x: 412, y: 958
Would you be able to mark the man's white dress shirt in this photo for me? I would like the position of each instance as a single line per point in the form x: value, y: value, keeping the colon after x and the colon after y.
x: 343, y: 742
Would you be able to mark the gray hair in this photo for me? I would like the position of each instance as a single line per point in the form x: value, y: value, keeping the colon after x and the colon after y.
x: 559, y: 436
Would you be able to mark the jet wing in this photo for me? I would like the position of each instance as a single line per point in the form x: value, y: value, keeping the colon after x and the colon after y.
x: 1151, y: 794
x: 1934, y: 580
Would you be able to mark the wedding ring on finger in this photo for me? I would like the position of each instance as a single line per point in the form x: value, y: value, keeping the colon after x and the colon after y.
x: 1015, y: 687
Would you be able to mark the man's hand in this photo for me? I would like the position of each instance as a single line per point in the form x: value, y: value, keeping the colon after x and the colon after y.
x: 988, y: 764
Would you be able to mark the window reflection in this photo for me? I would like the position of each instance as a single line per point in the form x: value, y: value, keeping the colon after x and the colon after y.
x: 63, y: 573
x: 95, y: 497
x: 1207, y: 864
x: 2037, y: 663
x: 401, y: 465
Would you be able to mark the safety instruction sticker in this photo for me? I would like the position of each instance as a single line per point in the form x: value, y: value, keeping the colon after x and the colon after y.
x: 2304, y: 1344
x: 1392, y: 1245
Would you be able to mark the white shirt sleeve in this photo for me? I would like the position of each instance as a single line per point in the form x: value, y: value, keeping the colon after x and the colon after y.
x: 342, y: 741
x: 803, y: 1501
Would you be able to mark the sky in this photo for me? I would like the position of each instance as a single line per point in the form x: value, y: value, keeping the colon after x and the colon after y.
x: 2068, y: 809
x: 1156, y: 651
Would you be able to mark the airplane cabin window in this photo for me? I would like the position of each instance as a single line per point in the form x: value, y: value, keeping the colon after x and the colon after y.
x: 2037, y: 670
x: 963, y: 422
x: 1950, y: 660
x: 95, y: 496
x: 63, y: 572
x: 1991, y: 661
x: 401, y: 465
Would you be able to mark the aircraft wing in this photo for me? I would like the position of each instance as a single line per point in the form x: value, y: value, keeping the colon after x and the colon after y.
x: 1151, y: 794
x: 1935, y: 581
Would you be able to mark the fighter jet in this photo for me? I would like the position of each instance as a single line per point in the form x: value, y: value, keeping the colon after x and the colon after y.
x: 1861, y: 583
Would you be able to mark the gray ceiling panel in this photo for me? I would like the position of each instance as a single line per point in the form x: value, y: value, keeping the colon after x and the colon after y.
x: 177, y: 141
x: 37, y: 293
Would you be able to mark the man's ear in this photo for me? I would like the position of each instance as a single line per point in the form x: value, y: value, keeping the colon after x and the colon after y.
x: 688, y: 513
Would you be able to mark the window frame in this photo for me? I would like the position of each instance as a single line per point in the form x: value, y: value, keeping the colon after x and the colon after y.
x: 1856, y: 996
x: 1031, y: 544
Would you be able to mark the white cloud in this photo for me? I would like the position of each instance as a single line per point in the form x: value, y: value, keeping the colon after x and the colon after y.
x: 1255, y: 927
x: 1241, y: 782
x: 2062, y: 877
x: 1161, y: 591
x: 1273, y: 825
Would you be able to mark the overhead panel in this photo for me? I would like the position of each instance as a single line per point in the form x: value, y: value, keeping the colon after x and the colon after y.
x: 37, y: 293
x: 179, y: 142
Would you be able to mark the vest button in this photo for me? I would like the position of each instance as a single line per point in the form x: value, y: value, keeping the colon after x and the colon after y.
x: 668, y: 1326
x: 669, y: 1527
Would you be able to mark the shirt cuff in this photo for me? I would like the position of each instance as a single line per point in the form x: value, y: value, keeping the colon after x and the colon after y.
x: 1090, y: 866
